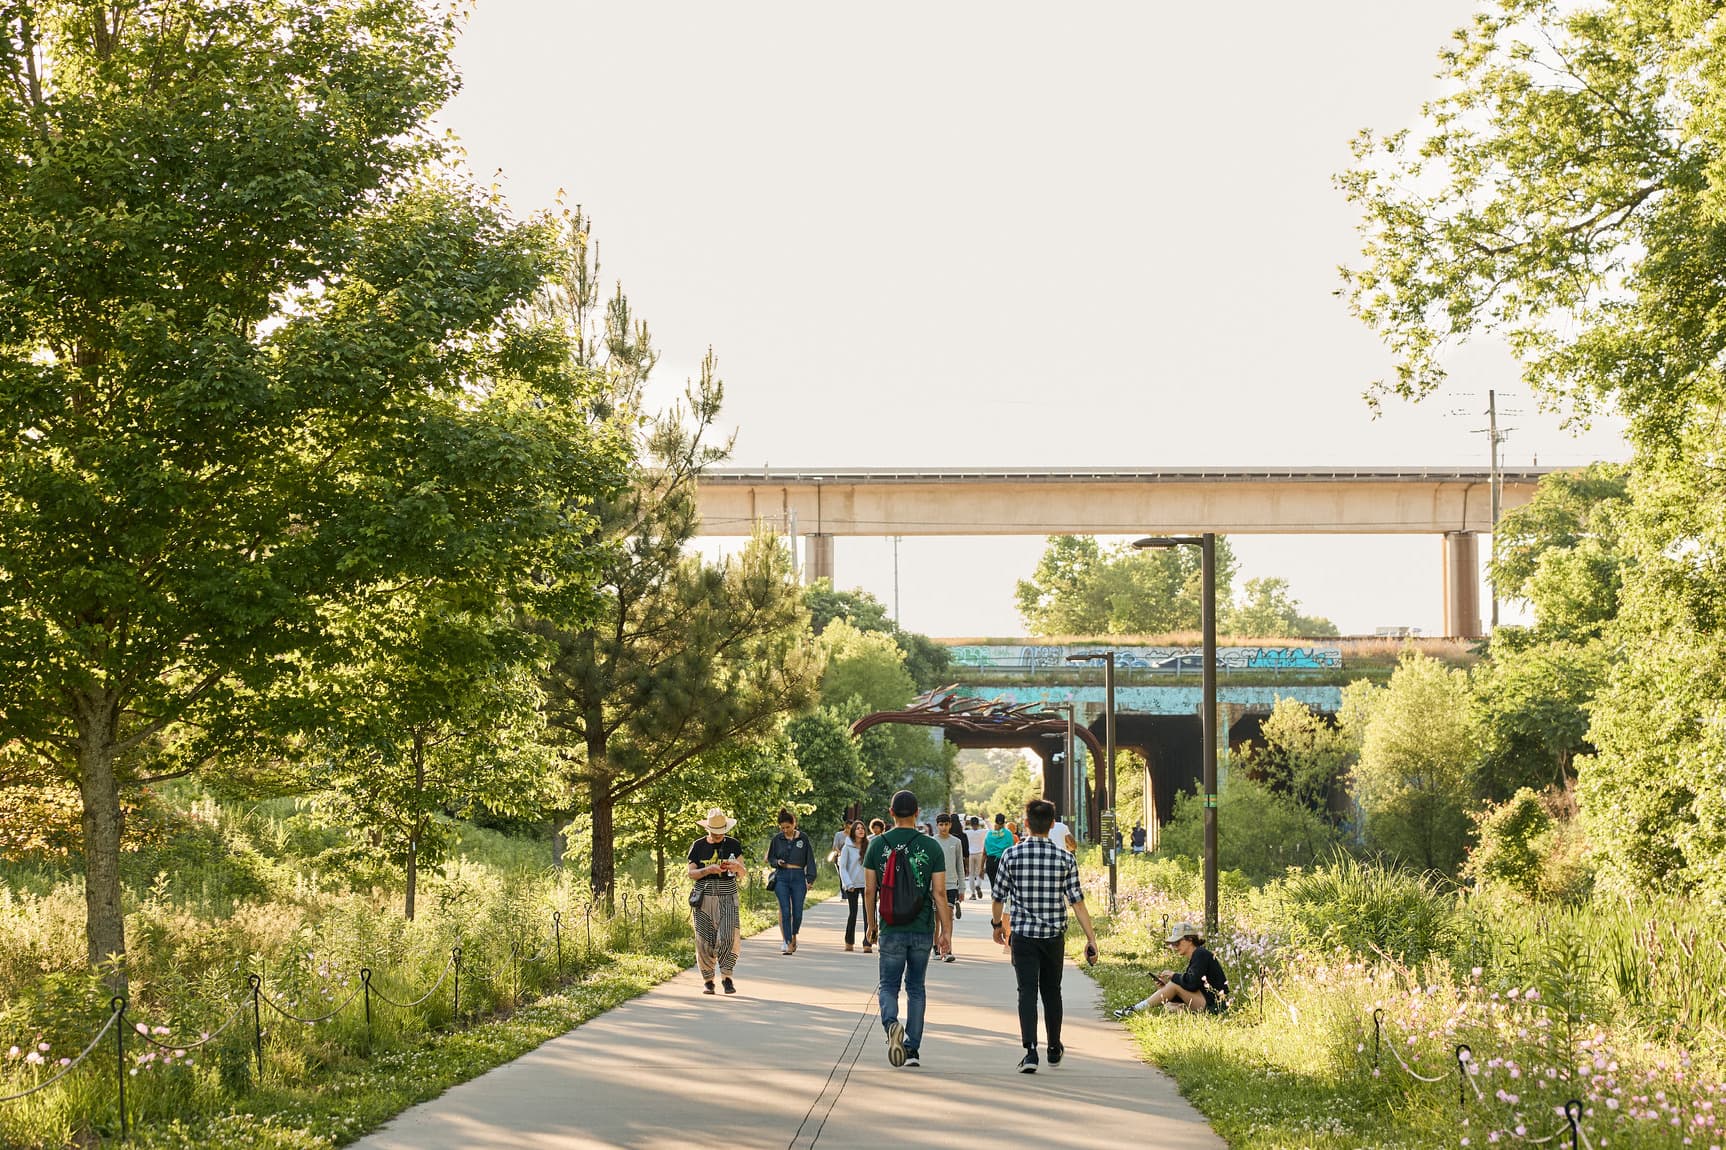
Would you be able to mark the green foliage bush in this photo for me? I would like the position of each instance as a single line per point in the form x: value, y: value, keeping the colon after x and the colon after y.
x: 1259, y: 832
x: 1368, y: 907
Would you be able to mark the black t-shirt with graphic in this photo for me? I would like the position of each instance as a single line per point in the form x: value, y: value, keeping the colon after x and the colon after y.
x: 706, y: 852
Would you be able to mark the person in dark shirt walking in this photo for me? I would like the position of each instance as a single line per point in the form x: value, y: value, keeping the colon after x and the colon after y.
x: 792, y: 857
x: 1201, y: 986
x: 904, y: 947
x: 715, y: 861
x: 1035, y: 883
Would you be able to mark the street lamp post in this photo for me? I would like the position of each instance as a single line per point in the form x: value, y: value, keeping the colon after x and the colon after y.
x: 1207, y: 545
x: 1106, y: 802
x: 1067, y: 757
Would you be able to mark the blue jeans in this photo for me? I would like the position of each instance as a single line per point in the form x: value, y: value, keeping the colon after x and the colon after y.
x: 791, y: 887
x: 904, y: 958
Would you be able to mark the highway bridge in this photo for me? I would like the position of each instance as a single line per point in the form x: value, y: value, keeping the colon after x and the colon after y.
x: 820, y: 504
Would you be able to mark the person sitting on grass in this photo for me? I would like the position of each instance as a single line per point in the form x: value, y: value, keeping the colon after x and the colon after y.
x: 1201, y: 986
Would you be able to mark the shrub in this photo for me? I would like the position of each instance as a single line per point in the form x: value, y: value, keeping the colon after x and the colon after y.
x: 1362, y: 906
x: 1259, y: 832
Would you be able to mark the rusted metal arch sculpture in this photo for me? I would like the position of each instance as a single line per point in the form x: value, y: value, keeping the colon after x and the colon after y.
x: 1028, y: 723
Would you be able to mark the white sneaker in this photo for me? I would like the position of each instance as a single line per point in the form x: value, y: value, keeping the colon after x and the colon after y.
x: 895, y: 1044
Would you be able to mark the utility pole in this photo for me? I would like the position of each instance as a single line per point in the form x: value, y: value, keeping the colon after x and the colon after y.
x: 897, y: 539
x: 1497, y: 488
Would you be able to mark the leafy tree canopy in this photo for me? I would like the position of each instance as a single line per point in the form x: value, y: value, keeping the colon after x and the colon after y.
x: 926, y: 660
x: 263, y: 354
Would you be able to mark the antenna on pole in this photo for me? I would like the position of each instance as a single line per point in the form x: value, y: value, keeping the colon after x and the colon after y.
x: 897, y: 539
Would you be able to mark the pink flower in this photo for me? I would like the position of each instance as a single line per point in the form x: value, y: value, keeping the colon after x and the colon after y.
x: 34, y: 1058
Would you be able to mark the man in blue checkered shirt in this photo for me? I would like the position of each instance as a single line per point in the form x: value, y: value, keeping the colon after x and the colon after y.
x: 1034, y: 884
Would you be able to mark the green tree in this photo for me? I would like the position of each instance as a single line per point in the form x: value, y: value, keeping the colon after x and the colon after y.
x: 1020, y: 788
x: 865, y: 672
x: 1259, y: 832
x: 1567, y: 193
x: 751, y: 777
x: 669, y: 657
x: 260, y: 356
x: 438, y: 710
x: 1532, y: 707
x: 926, y: 661
x: 1267, y: 609
x: 832, y: 764
x: 1512, y: 836
x: 1418, y: 750
x: 1082, y: 588
x: 1306, y: 755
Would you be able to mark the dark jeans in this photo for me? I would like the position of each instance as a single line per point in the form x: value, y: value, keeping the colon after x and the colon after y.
x: 991, y: 864
x: 1037, y: 963
x: 853, y: 900
x: 791, y: 887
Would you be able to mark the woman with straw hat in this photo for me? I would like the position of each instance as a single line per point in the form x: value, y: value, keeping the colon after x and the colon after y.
x: 715, y: 861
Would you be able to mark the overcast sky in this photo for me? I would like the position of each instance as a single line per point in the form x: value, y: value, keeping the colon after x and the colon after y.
x: 968, y: 234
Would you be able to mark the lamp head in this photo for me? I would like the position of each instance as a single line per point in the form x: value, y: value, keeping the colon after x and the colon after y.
x: 1160, y: 541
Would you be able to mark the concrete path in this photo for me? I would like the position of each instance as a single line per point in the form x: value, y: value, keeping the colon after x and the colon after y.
x: 796, y: 1059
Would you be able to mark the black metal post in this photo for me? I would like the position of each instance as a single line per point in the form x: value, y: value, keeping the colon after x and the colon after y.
x: 366, y: 986
x: 1111, y: 816
x: 257, y: 985
x: 1463, y: 1054
x: 118, y: 1005
x: 641, y: 913
x: 1377, y: 1030
x: 1573, y: 1112
x: 589, y: 949
x: 455, y: 1005
x: 557, y: 934
x: 1208, y: 575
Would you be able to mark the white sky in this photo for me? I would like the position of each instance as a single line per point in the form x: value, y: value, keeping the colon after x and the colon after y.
x: 969, y: 234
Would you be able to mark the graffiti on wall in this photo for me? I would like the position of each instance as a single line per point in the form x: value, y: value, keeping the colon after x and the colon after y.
x: 1031, y: 658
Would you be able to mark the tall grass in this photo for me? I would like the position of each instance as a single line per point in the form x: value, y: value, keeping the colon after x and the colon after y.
x: 266, y: 890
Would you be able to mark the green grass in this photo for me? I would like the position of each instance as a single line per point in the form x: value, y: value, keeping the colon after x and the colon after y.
x: 1540, y: 1016
x: 266, y: 888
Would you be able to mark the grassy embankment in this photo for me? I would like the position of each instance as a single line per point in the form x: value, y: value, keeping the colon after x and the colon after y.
x: 1616, y: 1005
x: 227, y: 890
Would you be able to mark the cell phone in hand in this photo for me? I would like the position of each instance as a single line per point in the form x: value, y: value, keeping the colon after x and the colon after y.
x: 1091, y: 954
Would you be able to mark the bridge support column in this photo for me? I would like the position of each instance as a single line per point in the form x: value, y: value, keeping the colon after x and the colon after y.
x: 1462, y: 585
x: 817, y: 557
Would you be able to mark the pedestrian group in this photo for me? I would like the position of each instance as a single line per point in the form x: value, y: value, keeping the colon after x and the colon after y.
x: 910, y: 882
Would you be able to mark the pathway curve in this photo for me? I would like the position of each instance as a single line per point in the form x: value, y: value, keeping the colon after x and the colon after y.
x: 796, y: 1059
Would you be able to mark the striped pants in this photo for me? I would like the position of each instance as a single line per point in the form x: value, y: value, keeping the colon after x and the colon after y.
x: 718, y: 932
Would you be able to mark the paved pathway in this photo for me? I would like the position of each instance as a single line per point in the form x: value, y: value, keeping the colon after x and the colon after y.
x: 796, y: 1059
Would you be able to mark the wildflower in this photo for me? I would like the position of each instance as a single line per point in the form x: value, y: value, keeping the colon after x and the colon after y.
x: 13, y: 1053
x: 34, y: 1058
x: 42, y: 1046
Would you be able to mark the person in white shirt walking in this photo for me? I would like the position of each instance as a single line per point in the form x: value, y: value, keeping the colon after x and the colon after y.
x: 949, y: 843
x: 974, y: 836
x: 1062, y: 836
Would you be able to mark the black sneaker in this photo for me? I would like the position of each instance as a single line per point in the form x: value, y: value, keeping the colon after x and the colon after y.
x: 912, y: 1058
x: 1056, y: 1053
x: 1028, y: 1064
x: 730, y: 987
x: 896, y: 1054
x: 958, y: 910
x: 709, y: 986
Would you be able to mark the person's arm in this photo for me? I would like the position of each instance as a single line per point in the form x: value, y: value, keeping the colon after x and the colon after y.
x: 809, y: 868
x: 701, y: 870
x: 998, y: 920
x: 1083, y: 914
x: 868, y: 903
x: 941, y: 913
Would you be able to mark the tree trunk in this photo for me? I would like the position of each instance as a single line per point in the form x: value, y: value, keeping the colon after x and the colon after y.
x: 602, y: 871
x: 99, y: 787
x: 559, y: 840
x: 418, y: 826
x: 659, y: 852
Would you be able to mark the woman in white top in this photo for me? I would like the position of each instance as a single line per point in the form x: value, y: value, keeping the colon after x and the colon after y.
x: 851, y: 881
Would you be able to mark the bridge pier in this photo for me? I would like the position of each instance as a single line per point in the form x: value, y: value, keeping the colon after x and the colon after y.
x: 817, y: 556
x: 1461, y: 566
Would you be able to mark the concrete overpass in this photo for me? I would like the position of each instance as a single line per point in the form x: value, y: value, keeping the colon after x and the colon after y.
x: 1453, y: 503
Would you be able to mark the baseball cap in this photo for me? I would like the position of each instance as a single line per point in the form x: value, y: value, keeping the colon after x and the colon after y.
x: 904, y: 804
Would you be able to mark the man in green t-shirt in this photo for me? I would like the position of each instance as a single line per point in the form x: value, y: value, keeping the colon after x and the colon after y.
x: 905, y: 948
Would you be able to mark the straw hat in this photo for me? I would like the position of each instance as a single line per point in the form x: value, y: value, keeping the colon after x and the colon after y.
x: 716, y: 823
x: 1180, y: 930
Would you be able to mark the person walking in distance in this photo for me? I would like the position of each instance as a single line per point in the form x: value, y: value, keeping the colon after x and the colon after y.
x: 791, y: 856
x: 974, y: 836
x: 715, y: 861
x: 1035, y: 884
x: 905, y: 888
x: 995, y: 844
x: 851, y: 882
x: 948, y: 839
